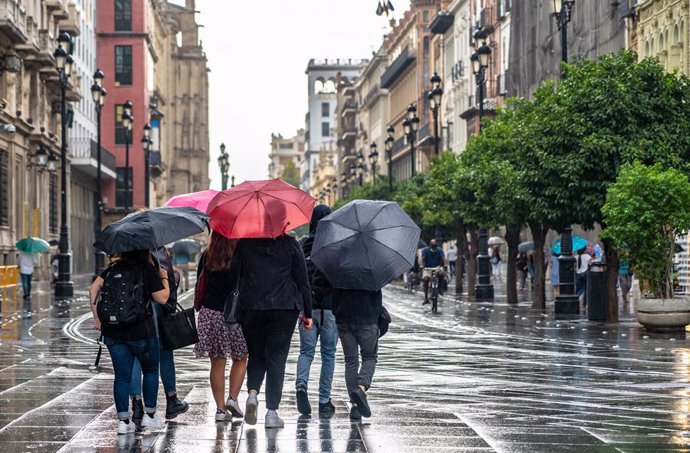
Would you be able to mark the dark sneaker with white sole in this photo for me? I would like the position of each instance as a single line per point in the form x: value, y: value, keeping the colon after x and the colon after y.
x: 359, y: 398
x: 303, y: 405
x: 355, y: 415
x: 326, y: 408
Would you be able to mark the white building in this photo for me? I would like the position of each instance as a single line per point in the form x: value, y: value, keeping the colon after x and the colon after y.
x: 322, y: 76
x: 284, y: 152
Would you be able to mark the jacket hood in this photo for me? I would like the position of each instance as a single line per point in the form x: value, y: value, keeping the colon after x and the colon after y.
x: 320, y: 211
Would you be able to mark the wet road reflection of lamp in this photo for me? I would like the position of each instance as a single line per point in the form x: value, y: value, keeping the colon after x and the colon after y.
x: 98, y: 94
x: 64, y: 287
x: 127, y: 120
x: 146, y: 145
x: 390, y: 140
x: 373, y: 160
x: 434, y: 97
x: 224, y: 164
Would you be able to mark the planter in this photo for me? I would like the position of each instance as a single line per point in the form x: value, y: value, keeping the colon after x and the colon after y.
x: 663, y: 314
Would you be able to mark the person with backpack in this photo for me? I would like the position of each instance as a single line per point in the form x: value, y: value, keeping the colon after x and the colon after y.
x: 323, y: 331
x: 120, y: 302
x: 217, y: 340
x: 174, y: 406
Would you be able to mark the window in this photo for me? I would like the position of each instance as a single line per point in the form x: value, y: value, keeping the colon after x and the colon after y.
x: 120, y: 188
x: 325, y: 110
x: 123, y: 15
x: 4, y: 188
x: 53, y: 200
x: 425, y: 16
x: 120, y: 131
x: 325, y: 129
x: 123, y: 65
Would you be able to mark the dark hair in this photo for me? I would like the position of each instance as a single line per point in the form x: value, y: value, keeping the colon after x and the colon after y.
x: 135, y: 256
x: 219, y: 252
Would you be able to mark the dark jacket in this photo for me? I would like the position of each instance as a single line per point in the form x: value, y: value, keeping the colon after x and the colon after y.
x: 272, y: 274
x: 320, y: 299
x: 352, y: 306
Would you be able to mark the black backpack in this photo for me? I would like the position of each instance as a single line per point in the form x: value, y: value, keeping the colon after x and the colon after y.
x: 122, y: 302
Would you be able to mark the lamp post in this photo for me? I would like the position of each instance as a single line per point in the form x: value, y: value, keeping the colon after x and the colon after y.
x: 480, y: 63
x: 390, y: 140
x: 360, y: 167
x: 410, y: 127
x: 562, y: 10
x: 146, y: 145
x: 64, y: 287
x: 373, y: 159
x: 224, y: 164
x: 232, y: 181
x: 567, y: 303
x: 343, y: 183
x: 127, y: 119
x: 434, y: 97
x: 98, y: 94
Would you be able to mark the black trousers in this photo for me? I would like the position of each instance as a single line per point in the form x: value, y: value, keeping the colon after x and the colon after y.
x: 268, y: 334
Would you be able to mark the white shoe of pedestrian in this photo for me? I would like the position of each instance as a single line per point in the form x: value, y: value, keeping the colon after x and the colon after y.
x: 152, y: 422
x: 273, y: 420
x: 126, y: 428
x: 223, y: 416
x: 251, y: 409
x: 233, y: 407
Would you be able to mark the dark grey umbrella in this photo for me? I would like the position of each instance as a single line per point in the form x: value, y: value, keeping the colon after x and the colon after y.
x: 525, y: 247
x: 365, y: 244
x: 186, y: 246
x: 148, y: 230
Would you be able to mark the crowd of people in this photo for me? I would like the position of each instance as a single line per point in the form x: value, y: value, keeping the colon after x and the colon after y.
x: 278, y: 287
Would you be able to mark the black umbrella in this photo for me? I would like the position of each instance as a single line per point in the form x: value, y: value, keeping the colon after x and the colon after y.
x: 365, y: 244
x: 148, y: 230
x: 186, y: 246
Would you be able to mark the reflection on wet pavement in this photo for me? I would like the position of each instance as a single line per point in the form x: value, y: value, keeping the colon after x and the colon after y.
x: 475, y: 377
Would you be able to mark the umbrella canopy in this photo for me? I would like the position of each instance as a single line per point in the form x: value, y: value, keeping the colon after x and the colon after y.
x: 196, y: 200
x: 149, y: 230
x: 579, y: 243
x: 525, y: 247
x: 260, y: 209
x: 32, y: 245
x: 186, y: 246
x: 495, y: 240
x: 365, y: 245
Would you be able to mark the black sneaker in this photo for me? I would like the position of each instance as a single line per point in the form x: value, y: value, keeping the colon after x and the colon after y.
x: 355, y: 415
x: 303, y: 405
x: 326, y: 408
x: 175, y: 407
x: 137, y: 410
x: 426, y: 301
x: 359, y: 398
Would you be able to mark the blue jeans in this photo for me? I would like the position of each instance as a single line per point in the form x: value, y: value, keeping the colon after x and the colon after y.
x: 328, y: 332
x: 26, y: 284
x: 167, y: 367
x: 580, y: 283
x: 123, y: 353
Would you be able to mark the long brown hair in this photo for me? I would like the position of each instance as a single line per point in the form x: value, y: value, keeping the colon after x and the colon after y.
x: 219, y: 252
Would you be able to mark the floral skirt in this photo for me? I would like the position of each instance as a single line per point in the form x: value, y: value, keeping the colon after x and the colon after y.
x: 217, y: 339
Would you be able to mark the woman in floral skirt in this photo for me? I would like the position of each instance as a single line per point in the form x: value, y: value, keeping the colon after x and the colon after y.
x: 217, y: 340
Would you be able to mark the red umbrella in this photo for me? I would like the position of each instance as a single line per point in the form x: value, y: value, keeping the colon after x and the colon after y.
x: 260, y: 209
x: 197, y: 200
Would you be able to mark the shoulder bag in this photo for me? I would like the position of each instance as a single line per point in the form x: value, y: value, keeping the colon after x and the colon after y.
x: 178, y: 329
x: 231, y: 311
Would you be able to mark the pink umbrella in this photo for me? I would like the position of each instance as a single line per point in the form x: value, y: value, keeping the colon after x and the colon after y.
x: 197, y: 200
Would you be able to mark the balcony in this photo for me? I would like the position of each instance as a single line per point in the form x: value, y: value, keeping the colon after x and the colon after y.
x: 371, y: 95
x: 57, y: 8
x: 441, y: 22
x: 156, y: 164
x: 397, y: 68
x: 348, y: 133
x: 85, y: 158
x: 73, y: 92
x: 29, y: 49
x: 46, y: 47
x: 349, y: 108
x: 71, y: 23
x: 13, y: 21
x: 457, y: 72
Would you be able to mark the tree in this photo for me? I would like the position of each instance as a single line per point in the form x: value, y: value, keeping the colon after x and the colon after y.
x: 645, y: 209
x: 368, y: 191
x: 290, y: 173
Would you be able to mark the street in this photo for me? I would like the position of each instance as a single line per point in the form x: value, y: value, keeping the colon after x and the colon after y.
x: 474, y: 377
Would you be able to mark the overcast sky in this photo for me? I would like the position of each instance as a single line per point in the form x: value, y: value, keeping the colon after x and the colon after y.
x: 258, y: 51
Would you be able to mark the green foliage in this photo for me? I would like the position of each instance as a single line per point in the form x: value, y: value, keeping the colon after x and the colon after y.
x: 368, y: 191
x: 290, y: 174
x: 645, y: 209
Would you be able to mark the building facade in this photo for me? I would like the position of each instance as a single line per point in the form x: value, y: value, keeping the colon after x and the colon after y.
x: 285, y: 157
x: 662, y: 33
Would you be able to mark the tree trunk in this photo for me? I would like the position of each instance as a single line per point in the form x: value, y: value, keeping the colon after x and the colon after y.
x: 513, y: 241
x: 539, y: 290
x: 612, y: 262
x: 472, y: 250
x: 462, y: 251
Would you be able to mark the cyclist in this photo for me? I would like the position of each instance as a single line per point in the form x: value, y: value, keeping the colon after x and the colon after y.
x: 432, y: 259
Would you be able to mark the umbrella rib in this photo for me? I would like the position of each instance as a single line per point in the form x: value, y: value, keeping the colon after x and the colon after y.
x: 268, y: 215
x: 232, y: 226
x: 267, y: 193
x: 373, y: 218
x: 388, y: 247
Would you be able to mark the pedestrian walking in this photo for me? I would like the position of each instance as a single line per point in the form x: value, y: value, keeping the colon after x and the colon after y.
x: 324, y: 331
x: 625, y: 278
x: 181, y: 261
x: 555, y: 279
x: 120, y: 303
x: 174, y: 406
x: 217, y: 340
x: 452, y: 258
x: 583, y: 260
x: 522, y: 268
x: 26, y: 272
x: 496, y: 263
x: 531, y: 269
x: 356, y: 314
x: 274, y: 290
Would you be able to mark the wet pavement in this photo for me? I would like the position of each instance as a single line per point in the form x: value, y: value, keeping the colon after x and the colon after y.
x: 475, y: 377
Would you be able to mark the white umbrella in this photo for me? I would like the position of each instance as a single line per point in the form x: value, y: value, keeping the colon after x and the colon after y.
x: 495, y: 240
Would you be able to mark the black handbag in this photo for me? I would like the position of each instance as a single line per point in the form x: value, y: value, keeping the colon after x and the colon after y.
x: 231, y: 311
x: 178, y: 329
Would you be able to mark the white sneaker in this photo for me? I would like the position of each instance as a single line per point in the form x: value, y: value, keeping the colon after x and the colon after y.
x: 273, y: 420
x: 233, y: 407
x: 223, y: 416
x: 251, y: 409
x: 152, y: 422
x: 126, y: 428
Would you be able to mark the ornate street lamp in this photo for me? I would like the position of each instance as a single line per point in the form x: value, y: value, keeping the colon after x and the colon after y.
x: 390, y: 141
x: 410, y: 127
x: 64, y: 287
x: 562, y: 11
x: 224, y: 164
x: 343, y: 183
x: 127, y: 120
x: 373, y: 159
x: 52, y: 162
x: 360, y: 167
x: 480, y: 63
x: 434, y: 96
x: 146, y: 145
x: 98, y: 94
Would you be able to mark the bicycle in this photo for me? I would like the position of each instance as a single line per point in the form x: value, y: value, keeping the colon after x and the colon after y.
x: 434, y: 291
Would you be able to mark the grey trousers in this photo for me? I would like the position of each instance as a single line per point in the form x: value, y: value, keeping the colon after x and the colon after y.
x: 356, y: 340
